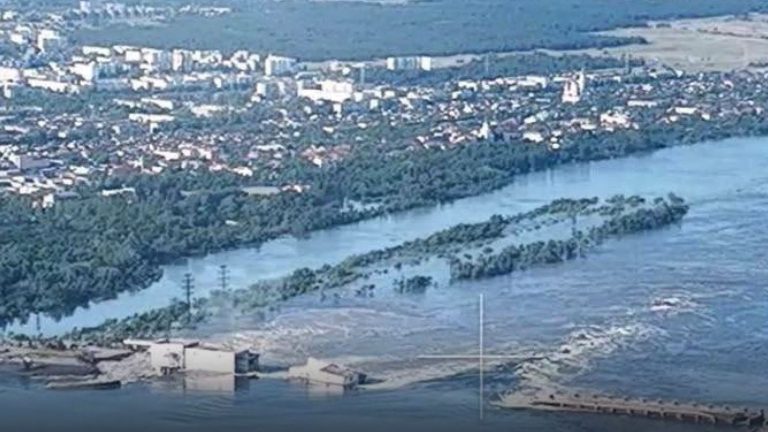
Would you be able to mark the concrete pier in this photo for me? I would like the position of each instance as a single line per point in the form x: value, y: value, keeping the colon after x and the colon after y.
x: 654, y: 409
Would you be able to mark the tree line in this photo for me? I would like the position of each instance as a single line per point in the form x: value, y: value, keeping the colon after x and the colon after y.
x: 513, y: 258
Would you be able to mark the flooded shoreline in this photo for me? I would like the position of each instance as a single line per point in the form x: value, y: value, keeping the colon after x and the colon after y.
x: 676, y: 314
x: 281, y: 256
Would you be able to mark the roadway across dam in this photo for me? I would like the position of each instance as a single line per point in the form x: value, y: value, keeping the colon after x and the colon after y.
x: 652, y: 409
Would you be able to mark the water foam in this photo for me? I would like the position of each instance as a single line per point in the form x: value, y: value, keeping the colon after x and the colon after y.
x: 387, y: 345
x: 576, y: 355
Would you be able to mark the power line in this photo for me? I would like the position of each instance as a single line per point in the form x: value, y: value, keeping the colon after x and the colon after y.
x: 188, y: 288
x: 481, y: 356
x: 223, y: 277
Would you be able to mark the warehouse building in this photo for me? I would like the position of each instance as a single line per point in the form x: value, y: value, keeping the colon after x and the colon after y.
x: 171, y: 356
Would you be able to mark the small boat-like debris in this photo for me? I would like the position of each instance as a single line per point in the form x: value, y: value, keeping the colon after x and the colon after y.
x: 85, y: 385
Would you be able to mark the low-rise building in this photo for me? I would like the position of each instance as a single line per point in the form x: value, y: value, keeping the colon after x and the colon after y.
x: 277, y: 65
x: 171, y: 356
x: 327, y: 90
x: 410, y: 63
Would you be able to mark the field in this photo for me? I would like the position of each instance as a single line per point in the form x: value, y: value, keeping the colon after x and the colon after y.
x: 314, y: 30
x: 709, y: 44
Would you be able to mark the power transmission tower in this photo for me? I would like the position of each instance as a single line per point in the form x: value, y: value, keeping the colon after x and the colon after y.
x: 628, y: 64
x: 574, y: 218
x: 223, y: 277
x: 188, y: 290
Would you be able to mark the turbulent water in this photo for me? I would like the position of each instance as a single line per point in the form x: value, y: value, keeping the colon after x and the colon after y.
x: 678, y: 313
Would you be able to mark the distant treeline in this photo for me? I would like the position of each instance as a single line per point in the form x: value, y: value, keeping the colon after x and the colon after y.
x: 349, y: 30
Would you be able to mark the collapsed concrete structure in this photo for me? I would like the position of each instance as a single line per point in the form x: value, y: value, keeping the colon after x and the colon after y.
x: 321, y: 372
x: 170, y: 356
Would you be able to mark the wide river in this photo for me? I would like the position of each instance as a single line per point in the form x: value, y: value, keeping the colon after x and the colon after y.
x: 679, y: 313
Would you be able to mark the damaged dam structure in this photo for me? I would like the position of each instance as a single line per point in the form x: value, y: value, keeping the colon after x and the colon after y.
x: 637, y: 407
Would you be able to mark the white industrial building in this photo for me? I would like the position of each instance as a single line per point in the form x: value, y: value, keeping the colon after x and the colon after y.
x: 212, y: 359
x: 327, y: 90
x: 320, y: 372
x: 169, y: 356
x: 409, y: 63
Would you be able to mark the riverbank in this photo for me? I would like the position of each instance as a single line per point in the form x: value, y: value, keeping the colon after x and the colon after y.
x: 60, y: 365
x: 584, y: 222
